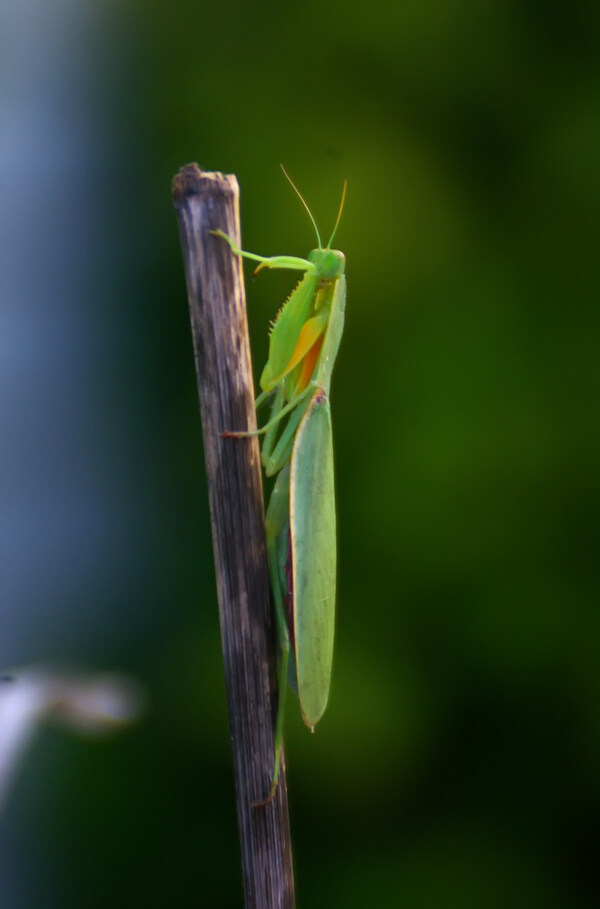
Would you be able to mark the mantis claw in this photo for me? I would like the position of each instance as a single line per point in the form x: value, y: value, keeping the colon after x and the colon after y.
x: 264, y: 802
x: 230, y: 434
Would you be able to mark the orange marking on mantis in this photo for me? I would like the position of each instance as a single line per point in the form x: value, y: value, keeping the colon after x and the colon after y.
x: 308, y: 366
x: 310, y: 333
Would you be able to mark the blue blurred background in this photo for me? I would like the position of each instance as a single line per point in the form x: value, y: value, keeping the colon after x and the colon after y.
x: 458, y: 764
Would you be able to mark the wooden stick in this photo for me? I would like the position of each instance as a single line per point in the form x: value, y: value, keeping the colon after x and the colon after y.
x: 205, y: 202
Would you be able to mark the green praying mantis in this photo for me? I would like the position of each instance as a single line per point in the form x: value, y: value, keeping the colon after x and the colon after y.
x: 300, y: 517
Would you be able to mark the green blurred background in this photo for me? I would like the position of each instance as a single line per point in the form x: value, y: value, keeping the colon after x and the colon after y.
x: 458, y: 764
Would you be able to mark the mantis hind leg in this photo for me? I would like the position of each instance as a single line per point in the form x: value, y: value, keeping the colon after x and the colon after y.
x: 278, y: 741
x: 277, y: 523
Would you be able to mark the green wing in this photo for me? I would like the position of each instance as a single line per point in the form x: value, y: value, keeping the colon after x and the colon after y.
x: 313, y: 528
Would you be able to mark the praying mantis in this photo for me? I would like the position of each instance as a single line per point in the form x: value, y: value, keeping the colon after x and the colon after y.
x: 300, y: 517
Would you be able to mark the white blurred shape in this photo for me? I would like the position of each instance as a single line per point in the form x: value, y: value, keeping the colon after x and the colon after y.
x: 91, y: 705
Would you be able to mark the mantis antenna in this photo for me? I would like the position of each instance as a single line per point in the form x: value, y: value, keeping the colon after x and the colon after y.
x: 337, y: 222
x: 300, y: 196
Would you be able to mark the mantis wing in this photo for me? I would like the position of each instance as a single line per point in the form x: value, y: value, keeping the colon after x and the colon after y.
x: 313, y: 533
x: 286, y: 331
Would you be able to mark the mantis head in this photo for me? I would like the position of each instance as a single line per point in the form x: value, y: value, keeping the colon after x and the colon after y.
x: 329, y: 263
